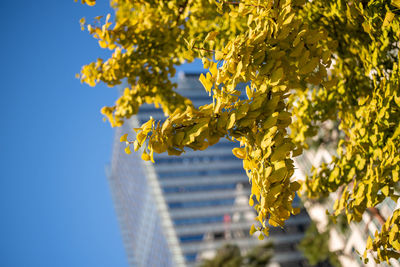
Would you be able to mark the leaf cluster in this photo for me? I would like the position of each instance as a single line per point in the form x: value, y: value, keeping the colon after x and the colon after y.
x: 306, y: 63
x: 230, y: 256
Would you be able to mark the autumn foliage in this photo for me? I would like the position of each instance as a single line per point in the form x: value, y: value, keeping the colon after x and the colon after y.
x: 306, y: 63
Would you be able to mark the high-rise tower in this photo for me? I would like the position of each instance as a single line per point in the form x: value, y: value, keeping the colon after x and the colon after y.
x: 180, y: 210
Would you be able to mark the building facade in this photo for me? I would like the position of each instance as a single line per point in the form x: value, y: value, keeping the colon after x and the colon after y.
x: 180, y: 210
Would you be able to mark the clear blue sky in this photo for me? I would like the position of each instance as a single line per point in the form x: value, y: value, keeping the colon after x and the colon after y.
x: 56, y: 207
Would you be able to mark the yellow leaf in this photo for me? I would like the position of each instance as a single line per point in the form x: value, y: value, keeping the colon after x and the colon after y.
x: 141, y: 137
x: 270, y: 121
x: 127, y: 150
x: 219, y: 55
x: 211, y: 36
x: 298, y: 38
x: 281, y: 152
x: 369, y: 243
x: 273, y: 222
x: 294, y: 186
x: 279, y: 165
x: 178, y: 137
x: 388, y: 18
x: 231, y: 121
x: 123, y: 138
x: 276, y: 76
x: 267, y: 171
x: 173, y: 151
x: 266, y: 231
x: 296, y: 211
x: 136, y: 145
x: 395, y: 198
x: 396, y: 3
x: 145, y: 156
x: 288, y: 19
x: 254, y: 189
x: 239, y: 152
x: 249, y: 92
x: 310, y: 66
x: 252, y: 229
x: 385, y: 190
x: 205, y: 82
x: 297, y: 152
x: 251, y: 201
x: 152, y: 155
x: 397, y: 132
x: 89, y: 2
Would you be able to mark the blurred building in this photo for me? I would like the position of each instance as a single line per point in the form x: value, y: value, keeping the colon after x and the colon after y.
x: 180, y: 210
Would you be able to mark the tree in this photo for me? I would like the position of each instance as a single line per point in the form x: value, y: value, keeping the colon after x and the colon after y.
x: 229, y: 256
x: 306, y: 63
x: 315, y: 247
x: 259, y: 256
x: 226, y: 256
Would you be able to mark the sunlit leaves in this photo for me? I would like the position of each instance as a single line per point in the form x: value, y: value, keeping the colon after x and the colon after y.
x: 387, y: 242
x: 360, y: 98
x: 307, y: 65
x: 88, y: 2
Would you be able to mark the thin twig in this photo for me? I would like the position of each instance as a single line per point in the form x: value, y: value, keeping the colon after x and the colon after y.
x: 204, y: 49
